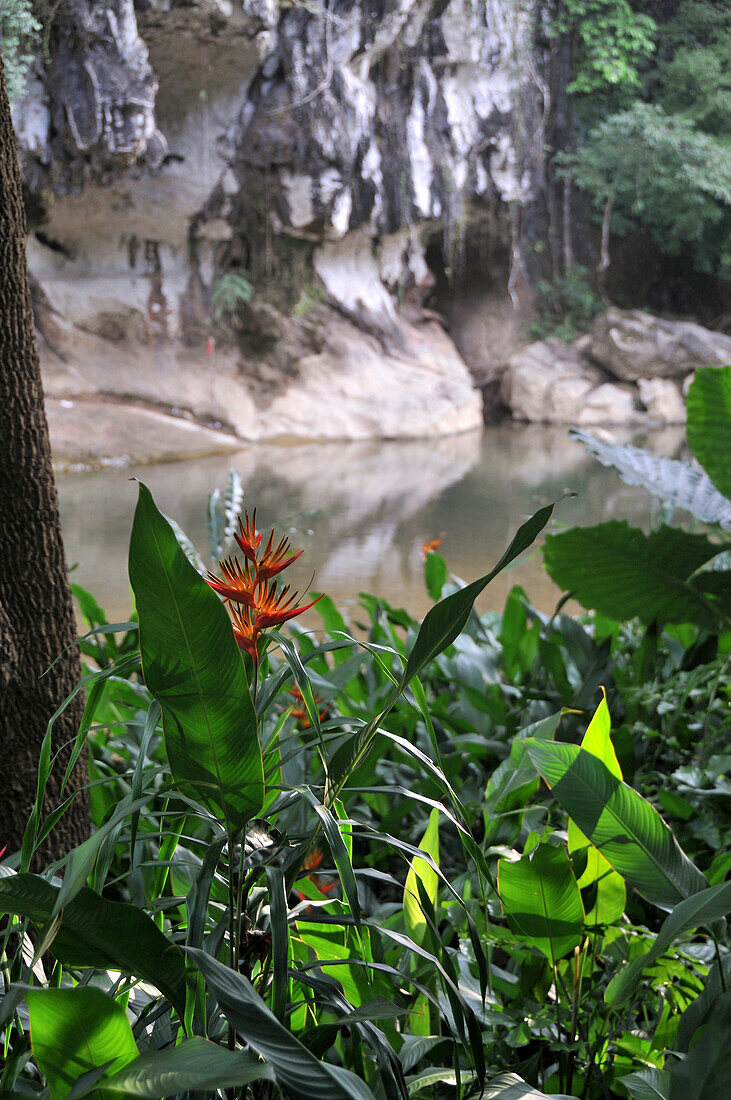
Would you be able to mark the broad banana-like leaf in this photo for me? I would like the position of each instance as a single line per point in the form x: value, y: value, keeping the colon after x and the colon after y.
x: 193, y: 667
x: 611, y: 894
x: 709, y: 423
x: 76, y: 1031
x: 624, y: 826
x: 541, y: 900
x: 622, y: 572
x: 195, y: 1064
x: 671, y: 480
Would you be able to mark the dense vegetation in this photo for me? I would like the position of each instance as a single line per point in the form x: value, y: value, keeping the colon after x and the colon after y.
x: 650, y: 134
x: 487, y: 855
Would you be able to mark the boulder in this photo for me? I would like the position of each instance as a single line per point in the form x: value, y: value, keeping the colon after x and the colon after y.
x: 630, y: 344
x: 609, y: 404
x: 545, y: 380
x: 663, y: 400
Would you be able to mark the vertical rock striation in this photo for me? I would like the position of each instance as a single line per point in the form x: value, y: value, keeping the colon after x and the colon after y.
x: 315, y: 147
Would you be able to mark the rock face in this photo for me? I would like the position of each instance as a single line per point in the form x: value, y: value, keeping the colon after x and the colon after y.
x: 632, y: 369
x: 631, y: 345
x: 163, y: 403
x: 95, y: 103
x: 313, y: 147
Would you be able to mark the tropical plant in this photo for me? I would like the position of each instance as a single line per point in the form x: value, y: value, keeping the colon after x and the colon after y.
x: 329, y: 864
x: 668, y: 575
x: 18, y: 31
x: 229, y: 291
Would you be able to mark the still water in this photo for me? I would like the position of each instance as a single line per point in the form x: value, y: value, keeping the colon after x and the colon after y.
x: 362, y: 511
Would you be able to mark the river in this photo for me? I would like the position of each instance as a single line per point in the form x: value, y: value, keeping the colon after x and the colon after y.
x: 362, y: 511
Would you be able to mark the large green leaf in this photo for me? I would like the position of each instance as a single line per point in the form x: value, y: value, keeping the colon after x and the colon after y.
x: 100, y: 934
x: 74, y: 1031
x: 193, y: 667
x: 709, y: 423
x: 704, y: 907
x: 622, y: 572
x: 705, y: 1072
x: 542, y: 901
x: 194, y: 1064
x: 446, y: 620
x: 610, y: 894
x: 626, y: 829
x: 422, y: 871
x: 648, y: 1084
x: 508, y: 1086
x: 296, y: 1069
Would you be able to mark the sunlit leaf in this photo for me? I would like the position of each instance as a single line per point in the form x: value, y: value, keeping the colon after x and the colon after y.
x: 623, y: 825
x: 541, y: 900
x: 422, y: 870
x: 609, y: 891
x: 77, y: 1030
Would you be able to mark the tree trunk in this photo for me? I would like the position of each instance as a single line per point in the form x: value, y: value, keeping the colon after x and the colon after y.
x: 36, y: 613
x: 604, y: 258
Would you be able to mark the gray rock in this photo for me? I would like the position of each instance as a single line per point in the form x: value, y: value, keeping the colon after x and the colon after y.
x: 550, y: 382
x: 631, y: 344
x: 663, y: 400
x: 546, y: 382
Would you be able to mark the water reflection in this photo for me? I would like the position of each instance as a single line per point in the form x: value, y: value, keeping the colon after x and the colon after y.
x: 362, y: 511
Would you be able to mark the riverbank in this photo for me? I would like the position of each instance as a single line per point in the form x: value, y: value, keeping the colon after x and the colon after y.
x: 363, y: 511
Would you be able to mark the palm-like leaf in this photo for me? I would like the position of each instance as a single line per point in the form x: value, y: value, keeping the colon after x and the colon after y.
x: 672, y: 481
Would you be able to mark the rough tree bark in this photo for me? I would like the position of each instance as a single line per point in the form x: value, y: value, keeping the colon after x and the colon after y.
x: 36, y: 612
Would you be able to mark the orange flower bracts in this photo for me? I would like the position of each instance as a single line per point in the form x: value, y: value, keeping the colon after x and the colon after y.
x: 255, y: 601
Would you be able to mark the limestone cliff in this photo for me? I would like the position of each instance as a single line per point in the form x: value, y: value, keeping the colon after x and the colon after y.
x: 312, y: 147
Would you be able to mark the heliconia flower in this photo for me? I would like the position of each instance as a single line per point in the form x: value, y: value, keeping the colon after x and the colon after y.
x: 273, y: 561
x: 248, y: 540
x: 311, y: 862
x: 245, y: 632
x: 238, y: 585
x: 269, y: 607
x: 272, y: 607
x: 299, y: 711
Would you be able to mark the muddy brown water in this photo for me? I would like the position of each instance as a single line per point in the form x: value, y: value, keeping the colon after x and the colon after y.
x: 362, y: 511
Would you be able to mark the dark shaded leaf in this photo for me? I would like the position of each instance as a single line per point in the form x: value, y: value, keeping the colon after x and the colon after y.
x: 193, y: 667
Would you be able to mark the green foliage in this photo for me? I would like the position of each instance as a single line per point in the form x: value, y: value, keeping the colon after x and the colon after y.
x: 76, y: 1031
x: 709, y: 421
x: 668, y: 575
x: 694, y: 65
x: 565, y: 307
x: 413, y: 912
x: 664, y: 175
x: 230, y: 291
x: 541, y: 899
x: 19, y: 31
x: 193, y: 667
x: 624, y: 573
x: 612, y: 42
